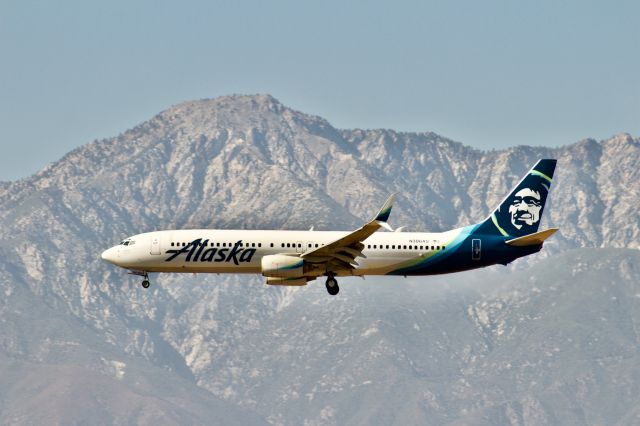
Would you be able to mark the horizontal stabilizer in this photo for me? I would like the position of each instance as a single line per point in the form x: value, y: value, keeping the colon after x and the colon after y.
x: 532, y: 239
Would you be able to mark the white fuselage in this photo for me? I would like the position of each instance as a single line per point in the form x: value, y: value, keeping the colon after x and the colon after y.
x: 241, y: 251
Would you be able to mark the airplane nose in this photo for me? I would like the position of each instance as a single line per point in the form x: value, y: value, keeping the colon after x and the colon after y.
x: 109, y: 255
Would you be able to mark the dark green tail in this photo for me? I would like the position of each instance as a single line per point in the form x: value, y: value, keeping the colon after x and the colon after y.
x: 520, y: 212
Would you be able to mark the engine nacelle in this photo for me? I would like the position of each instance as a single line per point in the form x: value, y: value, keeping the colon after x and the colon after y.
x: 296, y: 281
x: 282, y: 266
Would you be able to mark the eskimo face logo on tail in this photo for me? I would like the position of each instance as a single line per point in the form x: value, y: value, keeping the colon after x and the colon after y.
x: 521, y: 212
x: 525, y: 208
x: 199, y: 251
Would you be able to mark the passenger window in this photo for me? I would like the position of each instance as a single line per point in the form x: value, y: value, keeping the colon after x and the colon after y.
x: 432, y: 248
x: 211, y: 244
x: 171, y: 244
x: 410, y: 247
x: 316, y: 245
x: 437, y: 247
x: 442, y: 247
x: 288, y: 245
x: 224, y: 244
x: 404, y: 247
x: 393, y: 247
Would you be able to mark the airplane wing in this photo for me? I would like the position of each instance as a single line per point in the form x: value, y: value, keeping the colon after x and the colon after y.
x: 343, y: 251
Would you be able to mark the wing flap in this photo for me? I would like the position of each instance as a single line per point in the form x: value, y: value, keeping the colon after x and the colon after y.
x: 532, y: 239
x: 352, y: 252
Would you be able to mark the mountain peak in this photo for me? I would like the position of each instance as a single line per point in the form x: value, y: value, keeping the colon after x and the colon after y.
x: 621, y: 139
x: 259, y: 111
x: 247, y: 104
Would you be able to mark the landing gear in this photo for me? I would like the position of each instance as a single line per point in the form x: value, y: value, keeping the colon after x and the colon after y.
x: 145, y: 275
x: 332, y: 285
x: 145, y: 281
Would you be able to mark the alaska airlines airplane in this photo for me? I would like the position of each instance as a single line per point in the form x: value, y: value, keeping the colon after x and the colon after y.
x: 294, y: 258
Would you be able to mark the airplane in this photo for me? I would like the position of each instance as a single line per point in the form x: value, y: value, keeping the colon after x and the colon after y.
x: 294, y: 258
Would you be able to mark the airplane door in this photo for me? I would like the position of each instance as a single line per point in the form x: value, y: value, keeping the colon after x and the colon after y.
x: 155, y: 245
x: 475, y: 249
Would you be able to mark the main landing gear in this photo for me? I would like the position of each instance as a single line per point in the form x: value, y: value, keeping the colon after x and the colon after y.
x: 332, y: 285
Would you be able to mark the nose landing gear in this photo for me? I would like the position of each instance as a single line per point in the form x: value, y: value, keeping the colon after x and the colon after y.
x: 332, y: 285
x: 145, y: 280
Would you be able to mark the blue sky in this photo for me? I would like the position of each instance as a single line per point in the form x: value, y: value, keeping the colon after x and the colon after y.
x: 489, y: 74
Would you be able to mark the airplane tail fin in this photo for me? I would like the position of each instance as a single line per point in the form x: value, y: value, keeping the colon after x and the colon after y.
x: 520, y: 212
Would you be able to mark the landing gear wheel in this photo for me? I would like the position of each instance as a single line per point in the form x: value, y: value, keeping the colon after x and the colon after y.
x: 332, y: 286
x: 145, y: 283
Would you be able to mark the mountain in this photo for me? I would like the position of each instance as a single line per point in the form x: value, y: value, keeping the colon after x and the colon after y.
x: 547, y: 340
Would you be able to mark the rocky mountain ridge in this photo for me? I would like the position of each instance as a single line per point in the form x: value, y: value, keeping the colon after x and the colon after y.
x: 441, y: 345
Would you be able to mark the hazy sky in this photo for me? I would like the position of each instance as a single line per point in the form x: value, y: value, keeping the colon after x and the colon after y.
x: 487, y: 73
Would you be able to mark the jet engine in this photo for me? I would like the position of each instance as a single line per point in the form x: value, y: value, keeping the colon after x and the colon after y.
x: 282, y: 266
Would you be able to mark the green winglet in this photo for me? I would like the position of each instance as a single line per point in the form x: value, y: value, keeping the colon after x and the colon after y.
x: 385, y: 211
